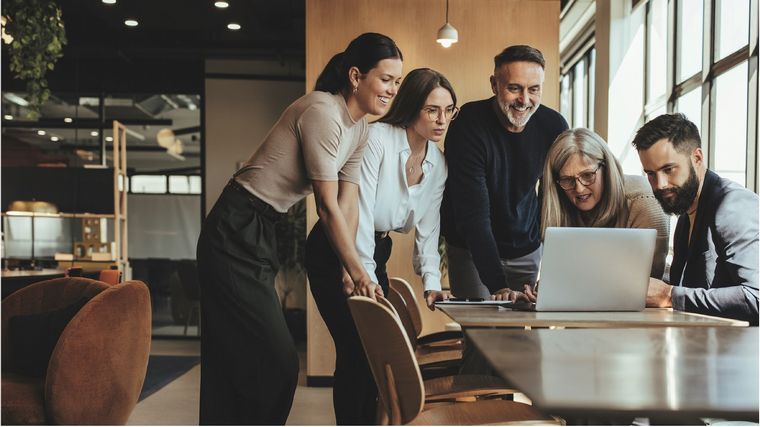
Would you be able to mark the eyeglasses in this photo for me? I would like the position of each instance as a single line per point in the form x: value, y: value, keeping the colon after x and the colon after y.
x: 434, y: 113
x: 586, y: 178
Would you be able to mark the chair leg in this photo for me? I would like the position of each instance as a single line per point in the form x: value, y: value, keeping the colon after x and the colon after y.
x: 198, y: 311
x: 187, y: 319
x: 382, y: 416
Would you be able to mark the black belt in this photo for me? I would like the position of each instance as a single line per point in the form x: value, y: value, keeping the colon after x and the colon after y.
x: 381, y: 234
x: 261, y: 206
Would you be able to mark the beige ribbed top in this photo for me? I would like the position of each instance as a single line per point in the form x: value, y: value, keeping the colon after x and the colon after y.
x: 315, y: 138
x: 644, y: 211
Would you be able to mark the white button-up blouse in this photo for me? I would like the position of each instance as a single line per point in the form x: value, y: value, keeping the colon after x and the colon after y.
x: 387, y: 203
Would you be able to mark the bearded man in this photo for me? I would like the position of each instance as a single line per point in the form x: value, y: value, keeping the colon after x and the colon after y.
x: 715, y: 246
x: 495, y: 152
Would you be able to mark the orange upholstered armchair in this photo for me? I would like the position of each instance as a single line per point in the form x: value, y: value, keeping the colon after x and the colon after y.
x: 98, y: 363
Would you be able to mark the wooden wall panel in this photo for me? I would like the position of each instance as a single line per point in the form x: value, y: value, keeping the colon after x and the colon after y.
x: 485, y: 28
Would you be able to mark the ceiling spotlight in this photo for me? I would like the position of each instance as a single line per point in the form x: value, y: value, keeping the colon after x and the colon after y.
x: 54, y: 138
x: 221, y: 4
x: 109, y: 139
x: 8, y: 117
x: 41, y: 132
x: 7, y: 38
x: 67, y: 120
x: 109, y: 1
x: 131, y: 23
x: 233, y: 26
x: 447, y: 35
x: 94, y: 133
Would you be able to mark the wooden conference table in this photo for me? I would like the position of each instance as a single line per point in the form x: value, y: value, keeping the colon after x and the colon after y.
x: 494, y: 317
x: 655, y: 363
x: 672, y: 373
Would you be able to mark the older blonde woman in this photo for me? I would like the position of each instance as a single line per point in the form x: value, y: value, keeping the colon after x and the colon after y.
x: 584, y: 186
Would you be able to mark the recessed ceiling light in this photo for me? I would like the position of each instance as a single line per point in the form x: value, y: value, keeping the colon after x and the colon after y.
x: 40, y: 132
x: 221, y: 4
x: 109, y: 1
x: 67, y: 120
x: 233, y: 26
x: 8, y: 117
x: 109, y: 139
x: 94, y: 133
x: 131, y: 23
x: 54, y: 138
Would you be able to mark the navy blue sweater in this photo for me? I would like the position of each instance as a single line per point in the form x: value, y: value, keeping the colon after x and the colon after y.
x: 490, y: 204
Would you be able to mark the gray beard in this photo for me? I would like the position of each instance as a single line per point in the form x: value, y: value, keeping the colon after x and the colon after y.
x: 513, y: 120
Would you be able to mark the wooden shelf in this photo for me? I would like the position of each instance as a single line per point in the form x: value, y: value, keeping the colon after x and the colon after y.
x: 56, y: 215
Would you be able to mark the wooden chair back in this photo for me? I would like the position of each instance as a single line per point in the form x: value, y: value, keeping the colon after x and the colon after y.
x: 391, y: 358
x: 387, y: 304
x: 400, y: 304
x: 405, y: 289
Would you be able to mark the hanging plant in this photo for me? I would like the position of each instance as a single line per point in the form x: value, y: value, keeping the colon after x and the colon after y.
x: 38, y: 37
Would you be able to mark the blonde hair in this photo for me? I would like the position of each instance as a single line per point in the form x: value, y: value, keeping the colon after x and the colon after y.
x: 556, y: 209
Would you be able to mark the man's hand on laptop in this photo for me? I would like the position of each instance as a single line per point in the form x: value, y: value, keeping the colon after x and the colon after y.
x: 531, y: 292
x: 507, y: 294
x: 659, y: 294
x: 432, y: 296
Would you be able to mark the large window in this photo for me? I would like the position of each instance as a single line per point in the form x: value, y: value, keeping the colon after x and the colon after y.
x: 577, y: 88
x: 707, y: 78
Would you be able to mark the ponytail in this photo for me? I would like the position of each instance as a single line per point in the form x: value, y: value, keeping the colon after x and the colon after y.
x: 331, y: 78
x: 364, y: 52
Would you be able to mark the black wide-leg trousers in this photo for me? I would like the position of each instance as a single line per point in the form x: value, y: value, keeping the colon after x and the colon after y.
x: 249, y: 365
x: 354, y: 389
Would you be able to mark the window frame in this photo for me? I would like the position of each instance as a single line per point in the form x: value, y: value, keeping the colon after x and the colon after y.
x: 705, y: 79
x: 586, y: 51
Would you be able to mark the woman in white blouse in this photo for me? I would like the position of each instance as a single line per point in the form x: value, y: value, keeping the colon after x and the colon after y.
x: 403, y: 176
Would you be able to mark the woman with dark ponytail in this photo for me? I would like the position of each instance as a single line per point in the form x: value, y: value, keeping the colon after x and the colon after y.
x: 249, y: 366
x: 371, y: 75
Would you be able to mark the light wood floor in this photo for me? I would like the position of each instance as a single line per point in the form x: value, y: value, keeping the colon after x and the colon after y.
x: 177, y: 402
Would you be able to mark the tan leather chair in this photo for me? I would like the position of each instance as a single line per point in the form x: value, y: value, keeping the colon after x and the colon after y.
x: 434, y: 360
x: 436, y: 339
x: 399, y: 381
x: 97, y: 368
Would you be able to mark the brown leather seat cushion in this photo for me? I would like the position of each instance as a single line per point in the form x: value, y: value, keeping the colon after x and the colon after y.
x: 23, y: 400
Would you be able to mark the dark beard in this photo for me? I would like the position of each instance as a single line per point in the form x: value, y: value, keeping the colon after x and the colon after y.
x: 684, y: 195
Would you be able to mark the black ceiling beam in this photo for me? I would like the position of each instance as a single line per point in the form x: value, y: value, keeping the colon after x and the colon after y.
x: 83, y: 123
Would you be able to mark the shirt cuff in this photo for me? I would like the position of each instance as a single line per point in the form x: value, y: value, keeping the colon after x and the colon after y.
x: 371, y: 273
x: 430, y: 283
x: 678, y: 298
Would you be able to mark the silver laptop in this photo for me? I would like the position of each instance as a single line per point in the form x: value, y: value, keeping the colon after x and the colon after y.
x: 595, y: 269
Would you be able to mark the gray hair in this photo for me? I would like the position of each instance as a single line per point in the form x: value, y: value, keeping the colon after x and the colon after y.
x: 556, y: 210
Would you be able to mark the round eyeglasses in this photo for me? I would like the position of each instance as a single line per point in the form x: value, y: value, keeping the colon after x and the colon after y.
x: 586, y: 178
x: 434, y: 113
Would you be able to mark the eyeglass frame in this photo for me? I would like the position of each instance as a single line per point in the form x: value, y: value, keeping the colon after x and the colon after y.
x: 430, y: 110
x: 578, y: 178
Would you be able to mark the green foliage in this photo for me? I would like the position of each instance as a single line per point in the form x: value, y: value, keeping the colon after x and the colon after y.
x: 38, y: 39
x: 291, y: 238
x: 444, y: 265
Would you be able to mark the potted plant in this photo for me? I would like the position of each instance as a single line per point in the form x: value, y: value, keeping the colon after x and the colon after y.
x: 34, y: 35
x: 291, y: 279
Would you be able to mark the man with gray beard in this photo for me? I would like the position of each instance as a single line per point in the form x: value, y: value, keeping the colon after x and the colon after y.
x: 495, y: 152
x: 715, y: 245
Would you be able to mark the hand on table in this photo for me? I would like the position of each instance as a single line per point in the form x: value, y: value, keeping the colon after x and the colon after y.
x: 507, y: 294
x: 659, y: 294
x: 432, y: 296
x: 531, y: 292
